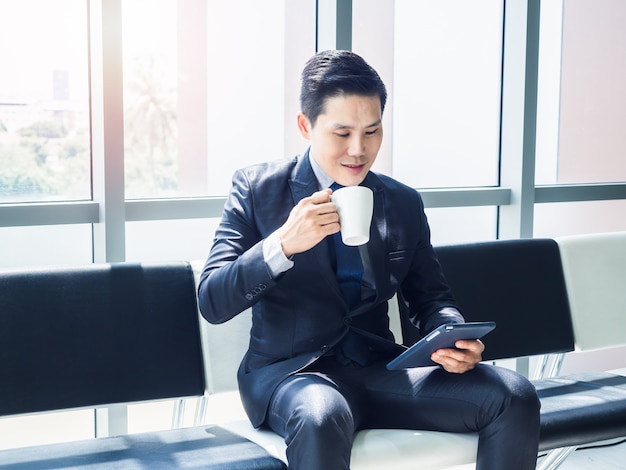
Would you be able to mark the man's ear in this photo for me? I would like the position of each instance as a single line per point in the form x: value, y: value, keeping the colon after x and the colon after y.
x: 304, y: 125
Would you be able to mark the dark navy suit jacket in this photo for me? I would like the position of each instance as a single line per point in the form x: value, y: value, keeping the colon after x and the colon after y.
x: 301, y: 315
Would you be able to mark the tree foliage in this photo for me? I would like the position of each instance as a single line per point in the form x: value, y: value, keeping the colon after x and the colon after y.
x: 46, y: 161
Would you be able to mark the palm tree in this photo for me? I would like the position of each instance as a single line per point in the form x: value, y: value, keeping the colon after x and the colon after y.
x: 150, y: 126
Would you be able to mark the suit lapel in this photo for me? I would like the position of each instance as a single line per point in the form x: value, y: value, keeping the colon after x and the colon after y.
x: 303, y: 183
x: 378, y: 234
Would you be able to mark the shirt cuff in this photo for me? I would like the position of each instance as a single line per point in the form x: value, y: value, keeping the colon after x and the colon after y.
x: 275, y: 259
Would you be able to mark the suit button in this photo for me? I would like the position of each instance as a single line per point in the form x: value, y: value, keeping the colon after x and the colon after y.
x: 324, y: 349
x: 347, y: 320
x: 249, y: 296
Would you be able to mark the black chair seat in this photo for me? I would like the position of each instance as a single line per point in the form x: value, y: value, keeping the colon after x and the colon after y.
x: 581, y: 408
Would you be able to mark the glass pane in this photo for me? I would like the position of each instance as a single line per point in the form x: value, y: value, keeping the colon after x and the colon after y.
x: 209, y: 87
x: 46, y: 428
x: 150, y: 97
x: 581, y: 121
x: 462, y: 224
x: 44, y: 101
x: 578, y: 218
x: 62, y: 245
x: 165, y: 240
x: 377, y: 49
x: 151, y: 416
x: 447, y: 77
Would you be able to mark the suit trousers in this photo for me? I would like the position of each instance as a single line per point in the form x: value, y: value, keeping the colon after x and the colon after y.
x: 318, y: 410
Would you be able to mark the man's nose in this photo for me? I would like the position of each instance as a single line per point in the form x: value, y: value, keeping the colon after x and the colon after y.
x: 357, y: 146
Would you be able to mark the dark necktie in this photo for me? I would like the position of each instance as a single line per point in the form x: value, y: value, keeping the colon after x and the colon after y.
x: 349, y: 267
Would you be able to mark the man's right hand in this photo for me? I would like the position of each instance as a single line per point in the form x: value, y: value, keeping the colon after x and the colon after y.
x: 310, y: 221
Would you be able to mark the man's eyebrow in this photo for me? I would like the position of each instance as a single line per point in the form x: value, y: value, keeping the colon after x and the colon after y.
x: 345, y: 126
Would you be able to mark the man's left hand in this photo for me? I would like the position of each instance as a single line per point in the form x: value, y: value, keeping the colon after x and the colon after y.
x: 467, y: 354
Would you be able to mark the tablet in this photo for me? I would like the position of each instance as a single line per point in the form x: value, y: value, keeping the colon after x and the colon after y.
x: 445, y: 336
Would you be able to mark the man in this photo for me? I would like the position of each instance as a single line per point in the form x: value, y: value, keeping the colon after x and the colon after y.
x: 315, y: 368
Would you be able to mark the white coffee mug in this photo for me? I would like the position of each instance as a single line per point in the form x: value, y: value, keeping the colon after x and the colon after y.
x: 355, y: 205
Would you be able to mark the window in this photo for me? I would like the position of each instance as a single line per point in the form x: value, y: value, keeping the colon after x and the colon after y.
x: 46, y: 428
x: 209, y: 87
x: 581, y: 117
x: 44, y: 101
x: 150, y: 64
x: 152, y: 240
x: 462, y: 224
x: 447, y: 69
x: 581, y: 113
x: 442, y: 120
x: 46, y: 245
x: 576, y: 218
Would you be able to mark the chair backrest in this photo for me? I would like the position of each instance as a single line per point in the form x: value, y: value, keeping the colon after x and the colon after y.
x: 97, y: 335
x: 595, y: 275
x: 518, y: 284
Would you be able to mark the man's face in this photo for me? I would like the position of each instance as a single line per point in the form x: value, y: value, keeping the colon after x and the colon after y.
x: 346, y: 137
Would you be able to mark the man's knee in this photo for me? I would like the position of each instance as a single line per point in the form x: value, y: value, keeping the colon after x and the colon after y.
x: 518, y: 394
x: 320, y: 434
x: 322, y: 415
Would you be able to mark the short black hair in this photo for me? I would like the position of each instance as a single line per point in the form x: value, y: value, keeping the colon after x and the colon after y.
x: 334, y: 73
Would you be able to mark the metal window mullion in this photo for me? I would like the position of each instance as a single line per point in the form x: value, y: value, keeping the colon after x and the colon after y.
x: 80, y: 212
x: 107, y: 129
x: 580, y: 192
x: 107, y: 141
x: 211, y: 207
x: 334, y: 25
x: 519, y: 115
x: 48, y: 213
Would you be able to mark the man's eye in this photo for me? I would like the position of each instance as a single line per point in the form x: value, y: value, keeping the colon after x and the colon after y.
x: 342, y: 135
x: 371, y: 132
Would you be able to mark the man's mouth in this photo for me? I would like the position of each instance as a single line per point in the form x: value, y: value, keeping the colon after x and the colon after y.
x: 353, y: 168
